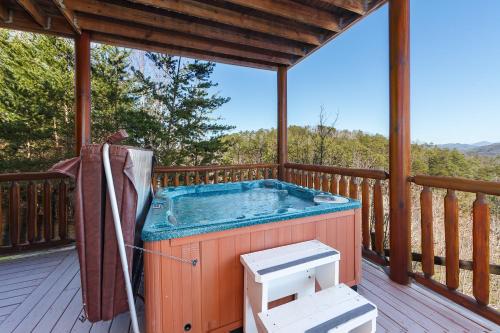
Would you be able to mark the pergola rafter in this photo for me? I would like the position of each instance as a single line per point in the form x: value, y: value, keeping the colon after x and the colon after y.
x: 261, y: 34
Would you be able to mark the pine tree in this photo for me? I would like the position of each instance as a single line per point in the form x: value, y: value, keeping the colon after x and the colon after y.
x: 179, y: 98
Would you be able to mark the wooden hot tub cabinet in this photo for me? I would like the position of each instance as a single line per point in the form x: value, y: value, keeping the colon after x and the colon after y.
x: 208, y: 297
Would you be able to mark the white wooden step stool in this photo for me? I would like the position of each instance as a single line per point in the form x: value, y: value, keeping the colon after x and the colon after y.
x: 287, y: 270
x: 336, y: 309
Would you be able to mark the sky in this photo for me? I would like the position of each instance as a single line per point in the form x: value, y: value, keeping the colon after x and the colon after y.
x: 455, y: 77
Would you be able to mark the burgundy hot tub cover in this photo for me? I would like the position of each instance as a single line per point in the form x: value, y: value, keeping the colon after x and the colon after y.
x: 103, y: 288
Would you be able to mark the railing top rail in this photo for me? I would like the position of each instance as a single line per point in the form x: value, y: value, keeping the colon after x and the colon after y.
x: 363, y: 173
x: 458, y: 184
x: 25, y: 176
x: 212, y: 167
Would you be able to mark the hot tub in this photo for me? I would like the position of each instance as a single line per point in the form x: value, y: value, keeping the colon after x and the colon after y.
x: 205, y: 228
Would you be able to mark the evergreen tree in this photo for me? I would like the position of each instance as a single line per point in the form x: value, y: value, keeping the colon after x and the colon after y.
x: 179, y: 98
x: 36, y: 100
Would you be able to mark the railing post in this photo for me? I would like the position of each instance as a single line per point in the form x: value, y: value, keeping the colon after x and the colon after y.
x: 399, y: 139
x: 282, y: 122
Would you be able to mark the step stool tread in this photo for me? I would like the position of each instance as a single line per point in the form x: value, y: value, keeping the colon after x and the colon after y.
x: 320, y: 312
x: 283, y: 257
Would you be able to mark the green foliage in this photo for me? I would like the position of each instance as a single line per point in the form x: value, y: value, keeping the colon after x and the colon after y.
x: 355, y: 149
x: 168, y: 109
x: 36, y: 98
x: 178, y: 99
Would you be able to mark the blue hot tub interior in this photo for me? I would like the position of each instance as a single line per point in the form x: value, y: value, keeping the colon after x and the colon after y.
x: 188, y: 210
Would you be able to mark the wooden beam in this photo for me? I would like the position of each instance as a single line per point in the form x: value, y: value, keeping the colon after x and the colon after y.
x: 235, y: 19
x: 294, y: 11
x: 109, y: 10
x: 36, y: 13
x: 82, y: 90
x: 179, y: 51
x: 355, y: 6
x: 179, y: 40
x: 24, y: 22
x: 5, y: 13
x: 68, y: 14
x: 399, y: 139
x: 282, y: 122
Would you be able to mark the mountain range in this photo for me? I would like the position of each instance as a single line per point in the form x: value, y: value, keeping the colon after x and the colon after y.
x: 483, y: 148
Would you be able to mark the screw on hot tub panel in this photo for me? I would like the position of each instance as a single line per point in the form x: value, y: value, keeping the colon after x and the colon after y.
x: 187, y: 327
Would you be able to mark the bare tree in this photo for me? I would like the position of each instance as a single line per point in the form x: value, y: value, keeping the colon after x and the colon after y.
x: 323, y: 131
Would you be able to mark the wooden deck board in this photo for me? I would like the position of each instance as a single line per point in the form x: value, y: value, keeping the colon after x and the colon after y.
x: 54, y: 304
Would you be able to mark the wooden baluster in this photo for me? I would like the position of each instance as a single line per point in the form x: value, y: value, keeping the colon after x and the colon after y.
x: 216, y: 176
x: 62, y: 210
x: 47, y: 211
x: 197, y: 178
x: 31, y: 213
x: 325, y: 183
x: 365, y: 212
x: 274, y: 172
x: 187, y: 179
x: 259, y: 173
x: 155, y: 181
x: 353, y: 188
x: 427, y: 232
x: 451, y: 239
x: 295, y: 177
x: 233, y: 176
x: 317, y: 181
x: 378, y: 205
x: 14, y: 205
x: 242, y: 176
x: 343, y: 186
x: 310, y: 178
x: 334, y: 184
x: 303, y: 179
x: 207, y: 177
x: 165, y: 180
x: 481, y: 249
x: 176, y: 179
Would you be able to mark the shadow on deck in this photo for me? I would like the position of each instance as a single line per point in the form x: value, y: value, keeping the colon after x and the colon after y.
x: 41, y: 293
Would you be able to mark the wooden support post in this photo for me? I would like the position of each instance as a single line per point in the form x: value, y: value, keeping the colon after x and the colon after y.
x: 282, y: 122
x: 82, y: 90
x: 399, y: 139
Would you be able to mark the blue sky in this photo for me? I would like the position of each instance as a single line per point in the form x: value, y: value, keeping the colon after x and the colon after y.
x: 455, y: 77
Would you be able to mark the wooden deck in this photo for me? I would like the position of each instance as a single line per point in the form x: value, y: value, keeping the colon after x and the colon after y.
x: 41, y: 293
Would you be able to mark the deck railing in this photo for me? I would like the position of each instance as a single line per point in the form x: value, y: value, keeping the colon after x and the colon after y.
x: 347, y: 182
x: 212, y: 174
x: 480, y: 265
x: 33, y: 211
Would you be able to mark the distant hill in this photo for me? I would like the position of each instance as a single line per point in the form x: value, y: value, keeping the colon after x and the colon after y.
x: 483, y: 148
x: 491, y: 150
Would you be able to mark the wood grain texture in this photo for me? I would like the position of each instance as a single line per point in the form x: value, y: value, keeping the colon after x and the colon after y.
x: 399, y: 139
x: 209, y: 296
x: 451, y: 239
x: 427, y: 232
x: 481, y: 249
